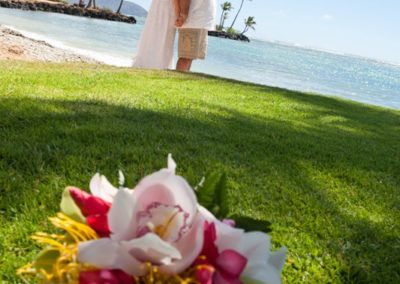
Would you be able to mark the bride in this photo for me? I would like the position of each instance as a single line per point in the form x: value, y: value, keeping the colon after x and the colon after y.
x: 194, y: 18
x: 156, y: 44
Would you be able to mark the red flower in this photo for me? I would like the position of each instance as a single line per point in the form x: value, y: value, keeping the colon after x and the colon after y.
x: 218, y: 268
x: 105, y: 277
x: 94, y: 209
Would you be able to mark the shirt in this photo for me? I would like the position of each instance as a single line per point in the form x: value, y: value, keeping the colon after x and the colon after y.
x: 201, y: 15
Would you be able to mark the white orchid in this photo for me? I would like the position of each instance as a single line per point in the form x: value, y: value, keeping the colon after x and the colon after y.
x: 102, y: 188
x: 157, y: 223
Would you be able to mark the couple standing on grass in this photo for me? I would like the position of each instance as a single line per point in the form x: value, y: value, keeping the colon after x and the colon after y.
x: 193, y: 19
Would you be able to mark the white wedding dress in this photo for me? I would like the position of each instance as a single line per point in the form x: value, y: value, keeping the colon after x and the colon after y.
x: 156, y: 45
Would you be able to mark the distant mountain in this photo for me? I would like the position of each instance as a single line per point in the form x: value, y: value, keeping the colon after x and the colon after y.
x: 128, y: 8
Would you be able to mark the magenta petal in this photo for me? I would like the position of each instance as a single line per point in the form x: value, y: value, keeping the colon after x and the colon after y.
x: 97, y: 277
x: 99, y: 223
x: 123, y: 278
x: 210, y: 250
x: 89, y: 204
x: 231, y: 262
x: 222, y: 278
x: 105, y: 276
x: 94, y: 205
x: 204, y: 276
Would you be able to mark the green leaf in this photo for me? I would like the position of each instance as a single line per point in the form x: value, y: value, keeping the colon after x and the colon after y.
x: 250, y: 224
x: 206, y: 193
x: 191, y: 177
x: 213, y: 194
x: 69, y: 208
x: 46, y: 259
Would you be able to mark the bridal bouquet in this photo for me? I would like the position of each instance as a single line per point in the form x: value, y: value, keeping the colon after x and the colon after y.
x: 162, y: 231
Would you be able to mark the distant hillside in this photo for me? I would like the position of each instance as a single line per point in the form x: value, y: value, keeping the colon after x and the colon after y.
x: 128, y: 8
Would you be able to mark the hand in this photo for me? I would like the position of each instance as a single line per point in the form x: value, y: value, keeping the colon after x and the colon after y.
x: 180, y: 21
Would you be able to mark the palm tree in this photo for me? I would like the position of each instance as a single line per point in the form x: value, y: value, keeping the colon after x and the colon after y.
x: 226, y: 7
x: 226, y: 16
x: 237, y: 14
x: 91, y: 4
x: 120, y: 6
x: 249, y: 24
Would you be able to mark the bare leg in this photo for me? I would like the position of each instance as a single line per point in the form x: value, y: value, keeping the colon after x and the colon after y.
x: 184, y: 64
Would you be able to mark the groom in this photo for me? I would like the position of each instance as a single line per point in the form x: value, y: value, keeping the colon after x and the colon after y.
x: 195, y: 18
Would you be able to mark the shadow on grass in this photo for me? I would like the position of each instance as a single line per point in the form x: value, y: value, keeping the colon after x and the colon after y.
x: 350, y: 156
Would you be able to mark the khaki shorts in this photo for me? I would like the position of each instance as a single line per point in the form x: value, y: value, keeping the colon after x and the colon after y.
x: 192, y: 43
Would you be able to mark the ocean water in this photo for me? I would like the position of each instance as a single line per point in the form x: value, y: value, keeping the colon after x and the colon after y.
x: 267, y: 63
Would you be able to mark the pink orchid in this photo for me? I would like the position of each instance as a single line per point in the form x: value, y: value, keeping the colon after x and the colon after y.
x: 158, y: 223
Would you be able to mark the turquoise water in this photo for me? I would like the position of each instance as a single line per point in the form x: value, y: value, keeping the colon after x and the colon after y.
x: 266, y: 63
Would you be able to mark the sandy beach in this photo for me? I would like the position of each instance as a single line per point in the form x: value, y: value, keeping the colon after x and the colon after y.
x: 14, y: 45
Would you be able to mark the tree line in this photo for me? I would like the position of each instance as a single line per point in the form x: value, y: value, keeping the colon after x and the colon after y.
x: 227, y: 7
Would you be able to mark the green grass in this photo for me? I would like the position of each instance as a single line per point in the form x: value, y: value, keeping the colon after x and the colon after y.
x: 324, y: 171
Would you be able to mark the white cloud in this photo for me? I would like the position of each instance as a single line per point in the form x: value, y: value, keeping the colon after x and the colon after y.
x: 327, y: 17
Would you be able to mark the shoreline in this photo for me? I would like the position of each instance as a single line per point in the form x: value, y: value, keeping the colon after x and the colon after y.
x: 15, y: 46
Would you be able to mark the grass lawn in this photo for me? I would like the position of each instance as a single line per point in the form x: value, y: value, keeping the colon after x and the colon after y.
x: 324, y: 171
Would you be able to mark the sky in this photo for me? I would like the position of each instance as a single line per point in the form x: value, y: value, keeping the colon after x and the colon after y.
x: 369, y: 28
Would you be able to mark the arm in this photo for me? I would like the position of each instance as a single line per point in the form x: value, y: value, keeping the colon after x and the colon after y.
x: 184, y: 8
x: 177, y: 7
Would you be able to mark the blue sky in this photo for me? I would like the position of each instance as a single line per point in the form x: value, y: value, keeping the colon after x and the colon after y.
x: 368, y: 28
